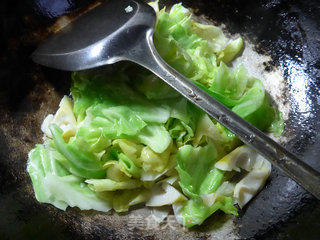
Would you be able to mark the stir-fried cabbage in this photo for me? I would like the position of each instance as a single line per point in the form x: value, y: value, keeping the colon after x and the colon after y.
x: 127, y: 138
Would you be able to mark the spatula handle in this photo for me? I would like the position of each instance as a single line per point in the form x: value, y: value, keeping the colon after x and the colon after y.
x: 147, y: 56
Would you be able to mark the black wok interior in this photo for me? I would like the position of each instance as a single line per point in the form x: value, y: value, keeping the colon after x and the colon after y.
x: 288, y: 31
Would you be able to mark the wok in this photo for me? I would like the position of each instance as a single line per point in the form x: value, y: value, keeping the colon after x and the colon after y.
x: 285, y: 33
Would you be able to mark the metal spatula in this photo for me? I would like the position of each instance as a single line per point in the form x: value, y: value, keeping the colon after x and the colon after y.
x: 122, y: 30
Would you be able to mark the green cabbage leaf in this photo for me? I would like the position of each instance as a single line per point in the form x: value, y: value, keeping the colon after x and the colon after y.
x: 54, y: 184
x: 198, y: 177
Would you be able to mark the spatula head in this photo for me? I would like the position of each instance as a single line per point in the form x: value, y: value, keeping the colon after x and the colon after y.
x: 102, y: 36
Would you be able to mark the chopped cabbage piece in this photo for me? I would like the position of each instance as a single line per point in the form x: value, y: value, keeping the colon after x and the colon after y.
x: 230, y: 51
x: 122, y: 200
x: 79, y: 162
x: 196, y: 170
x: 196, y: 211
x: 258, y: 171
x: 156, y: 137
x: 152, y: 161
x: 53, y: 184
x: 165, y: 194
x: 248, y: 187
x: 64, y: 118
x: 71, y: 191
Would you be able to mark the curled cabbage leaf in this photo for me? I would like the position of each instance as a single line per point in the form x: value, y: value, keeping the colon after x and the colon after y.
x: 64, y: 118
x: 196, y: 170
x: 77, y: 160
x: 258, y: 171
x: 54, y: 184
